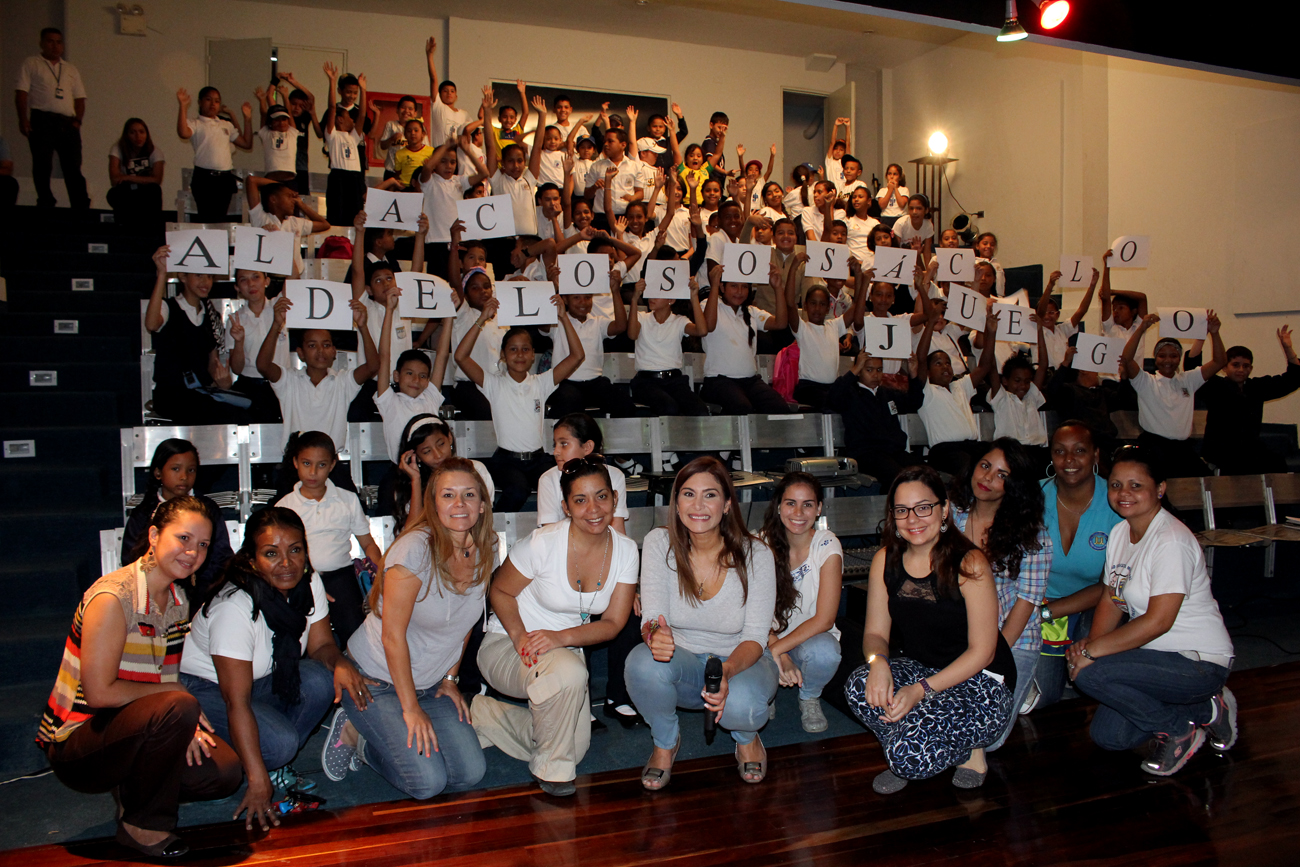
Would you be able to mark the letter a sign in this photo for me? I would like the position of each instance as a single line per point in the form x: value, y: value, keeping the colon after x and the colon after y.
x: 199, y: 251
x: 389, y: 210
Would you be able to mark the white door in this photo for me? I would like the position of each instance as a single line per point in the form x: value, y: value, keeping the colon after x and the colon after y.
x: 237, y: 67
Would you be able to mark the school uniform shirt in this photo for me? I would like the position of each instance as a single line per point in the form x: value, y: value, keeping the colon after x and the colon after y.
x: 552, y: 169
x: 678, y: 236
x: 279, y: 149
x: 646, y: 178
x: 1166, y: 403
x: 580, y: 169
x: 397, y: 408
x: 440, y: 619
x: 813, y: 219
x: 1085, y: 563
x: 228, y: 629
x: 819, y: 349
x: 659, y: 345
x: 1057, y: 342
x: 645, y: 243
x: 623, y: 184
x: 550, y: 496
x: 835, y: 172
x: 1168, y: 559
x: 906, y: 232
x: 1110, y: 328
x: 52, y: 87
x: 945, y: 339
x: 592, y: 334
x: 137, y: 165
x: 213, y: 143
x: 407, y: 162
x: 255, y: 330
x: 771, y: 214
x: 807, y: 577
x: 713, y: 251
x: 331, y: 522
x: 322, y: 407
x: 439, y: 204
x: 300, y: 226
x: 566, y: 128
x: 446, y: 122
x: 392, y: 128
x: 727, y: 350
x: 892, y: 209
x: 517, y: 407
x: 345, y: 150
x: 549, y: 601
x: 850, y: 186
x: 946, y: 412
x: 521, y: 191
x: 487, y: 348
x: 859, y: 234
x: 1019, y: 419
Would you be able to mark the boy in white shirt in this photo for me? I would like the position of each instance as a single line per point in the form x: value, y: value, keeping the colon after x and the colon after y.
x: 393, y: 138
x: 271, y: 205
x: 410, y: 390
x: 1016, y: 395
x: 626, y: 183
x: 346, y: 187
x: 279, y: 141
x: 852, y: 176
x: 950, y: 427
x: 447, y: 121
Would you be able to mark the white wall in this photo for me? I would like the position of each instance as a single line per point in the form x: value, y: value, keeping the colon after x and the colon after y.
x: 747, y: 85
x: 1065, y: 151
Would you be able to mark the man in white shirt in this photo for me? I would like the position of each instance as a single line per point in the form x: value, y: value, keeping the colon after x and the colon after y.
x: 51, y: 102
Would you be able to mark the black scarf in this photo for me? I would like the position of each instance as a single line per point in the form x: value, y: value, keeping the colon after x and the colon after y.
x: 287, y: 618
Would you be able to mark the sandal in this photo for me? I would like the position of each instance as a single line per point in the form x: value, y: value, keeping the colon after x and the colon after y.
x: 752, y: 772
x: 170, y: 847
x: 654, y: 779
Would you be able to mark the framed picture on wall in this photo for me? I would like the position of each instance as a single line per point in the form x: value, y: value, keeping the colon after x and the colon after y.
x: 384, y: 106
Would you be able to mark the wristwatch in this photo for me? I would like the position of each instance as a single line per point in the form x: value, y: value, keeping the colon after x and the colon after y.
x: 1046, y: 614
x: 454, y: 678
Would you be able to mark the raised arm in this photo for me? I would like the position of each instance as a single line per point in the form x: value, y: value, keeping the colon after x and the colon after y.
x: 858, y: 309
x: 489, y: 146
x: 1086, y: 302
x: 535, y: 152
x: 245, y: 140
x: 430, y: 47
x: 674, y: 146
x: 371, y: 367
x: 1104, y: 295
x: 153, y: 319
x: 1219, y: 359
x: 386, y: 342
x: 1040, y: 372
x: 359, y: 256
x: 1041, y: 309
x: 266, y: 365
x: 332, y: 74
x: 987, y: 366
x: 263, y: 104
x: 697, y: 326
x: 621, y: 321
x: 1128, y: 366
x: 182, y: 120
x: 711, y: 306
x: 466, y: 347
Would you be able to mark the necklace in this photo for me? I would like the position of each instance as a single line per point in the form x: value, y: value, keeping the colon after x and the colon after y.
x: 585, y: 611
x: 1060, y: 501
x: 699, y: 585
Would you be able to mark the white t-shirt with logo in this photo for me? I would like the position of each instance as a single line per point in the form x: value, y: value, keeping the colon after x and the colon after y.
x: 345, y: 150
x: 1166, y: 404
x: 518, y: 407
x: 807, y: 578
x: 279, y: 149
x: 213, y: 143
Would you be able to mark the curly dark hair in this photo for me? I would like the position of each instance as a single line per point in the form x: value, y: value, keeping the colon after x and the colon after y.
x: 773, y: 533
x: 1019, y: 518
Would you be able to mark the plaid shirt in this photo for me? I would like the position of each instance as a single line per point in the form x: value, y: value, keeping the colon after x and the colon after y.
x: 1029, y: 585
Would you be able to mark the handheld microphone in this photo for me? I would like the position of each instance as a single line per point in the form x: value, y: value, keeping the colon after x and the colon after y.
x: 712, y: 684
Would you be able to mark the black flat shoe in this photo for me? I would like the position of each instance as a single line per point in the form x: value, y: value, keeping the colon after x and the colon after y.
x: 627, y: 721
x: 170, y: 847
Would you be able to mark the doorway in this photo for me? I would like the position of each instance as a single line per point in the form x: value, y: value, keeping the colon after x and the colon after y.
x: 808, y: 121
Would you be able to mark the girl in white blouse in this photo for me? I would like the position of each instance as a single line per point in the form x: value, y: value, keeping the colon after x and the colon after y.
x: 819, y: 337
x: 543, y: 600
x: 730, y: 348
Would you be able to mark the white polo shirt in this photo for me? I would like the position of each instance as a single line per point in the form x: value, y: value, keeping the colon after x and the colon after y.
x: 552, y: 169
x: 49, y: 86
x: 1019, y: 419
x: 1165, y: 404
x: 521, y: 191
x: 859, y: 233
x: 1109, y: 328
x: 819, y: 349
x: 440, y: 198
x: 445, y: 122
x: 404, y: 332
x: 907, y: 232
x: 213, y: 143
x: 322, y: 407
x: 592, y: 333
x: 518, y: 407
x: 624, y: 183
x: 487, y: 348
x: 550, y: 496
x: 946, y: 412
x: 397, y: 408
x: 727, y: 350
x: 659, y: 345
x: 331, y: 522
x: 255, y: 330
x: 279, y: 149
x: 946, y: 340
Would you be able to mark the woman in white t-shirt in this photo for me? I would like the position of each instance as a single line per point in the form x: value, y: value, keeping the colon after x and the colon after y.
x: 818, y: 337
x: 543, y: 601
x: 1166, y: 398
x: 1161, y: 676
x: 244, y: 661
x: 809, y: 573
x: 731, y: 347
x: 135, y: 169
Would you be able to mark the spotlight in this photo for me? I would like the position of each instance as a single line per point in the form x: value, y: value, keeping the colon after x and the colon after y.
x: 938, y: 144
x: 966, y: 227
x: 1011, y: 31
x: 1052, y: 12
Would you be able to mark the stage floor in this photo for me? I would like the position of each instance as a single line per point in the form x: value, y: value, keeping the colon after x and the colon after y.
x: 1051, y: 798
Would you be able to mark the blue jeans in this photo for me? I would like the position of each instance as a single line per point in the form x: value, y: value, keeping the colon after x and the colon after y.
x: 659, y: 688
x: 1145, y: 692
x: 1026, y: 663
x: 818, y: 659
x: 457, y: 764
x: 282, y: 728
x: 1051, y: 674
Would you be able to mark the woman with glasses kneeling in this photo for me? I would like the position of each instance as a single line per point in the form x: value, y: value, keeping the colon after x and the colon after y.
x: 543, y: 598
x: 931, y: 594
x: 708, y: 588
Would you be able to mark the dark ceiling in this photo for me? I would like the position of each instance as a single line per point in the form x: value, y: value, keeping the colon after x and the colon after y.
x: 1263, y: 39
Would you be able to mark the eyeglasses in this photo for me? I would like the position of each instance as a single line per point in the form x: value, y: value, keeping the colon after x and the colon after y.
x: 921, y: 510
x: 578, y: 464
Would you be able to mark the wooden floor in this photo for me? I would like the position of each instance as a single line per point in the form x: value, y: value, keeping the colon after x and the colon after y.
x: 1051, y: 798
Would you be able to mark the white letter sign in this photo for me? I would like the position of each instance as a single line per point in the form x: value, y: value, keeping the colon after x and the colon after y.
x: 667, y: 278
x: 955, y: 263
x: 262, y: 250
x: 827, y: 261
x: 388, y: 210
x: 525, y: 302
x: 1187, y: 323
x: 886, y: 338
x: 490, y: 217
x: 746, y: 263
x: 895, y: 265
x: 199, y: 251
x: 424, y: 296
x: 1098, y: 354
x: 318, y: 304
x: 583, y: 273
x: 1013, y: 324
x: 1076, y: 272
x: 966, y: 307
x: 1130, y: 251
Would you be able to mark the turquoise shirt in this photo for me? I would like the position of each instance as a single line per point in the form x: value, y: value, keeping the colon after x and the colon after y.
x: 1085, y: 562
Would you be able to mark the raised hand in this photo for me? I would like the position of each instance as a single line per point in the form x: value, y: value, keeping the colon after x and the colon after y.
x: 1284, y: 337
x: 540, y: 105
x: 160, y: 263
x: 361, y: 80
x: 331, y: 71
x: 183, y: 97
x: 430, y: 46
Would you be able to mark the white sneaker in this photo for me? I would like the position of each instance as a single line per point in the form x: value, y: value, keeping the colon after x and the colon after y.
x: 1031, y: 698
x: 811, y: 716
